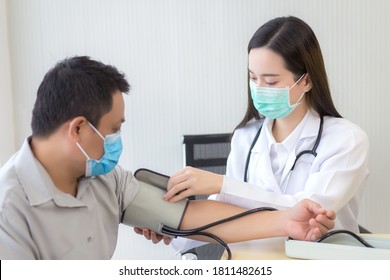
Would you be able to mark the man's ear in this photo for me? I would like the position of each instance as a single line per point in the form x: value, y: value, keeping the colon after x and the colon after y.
x: 76, y: 126
x: 307, y: 83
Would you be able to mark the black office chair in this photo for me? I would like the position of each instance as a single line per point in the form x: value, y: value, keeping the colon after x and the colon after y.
x: 208, y: 152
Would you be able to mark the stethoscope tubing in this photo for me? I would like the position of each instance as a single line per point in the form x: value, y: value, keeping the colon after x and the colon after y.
x: 313, y: 151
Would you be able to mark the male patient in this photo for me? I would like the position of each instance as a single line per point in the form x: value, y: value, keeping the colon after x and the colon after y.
x: 62, y: 194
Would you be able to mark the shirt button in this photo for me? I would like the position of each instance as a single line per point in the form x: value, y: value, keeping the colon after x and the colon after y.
x: 89, y: 238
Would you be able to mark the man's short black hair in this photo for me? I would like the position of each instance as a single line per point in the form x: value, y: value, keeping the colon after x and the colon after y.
x: 76, y: 86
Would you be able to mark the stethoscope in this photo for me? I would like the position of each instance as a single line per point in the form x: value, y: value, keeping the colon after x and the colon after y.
x: 313, y: 151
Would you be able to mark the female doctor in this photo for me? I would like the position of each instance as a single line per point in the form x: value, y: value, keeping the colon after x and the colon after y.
x: 292, y: 143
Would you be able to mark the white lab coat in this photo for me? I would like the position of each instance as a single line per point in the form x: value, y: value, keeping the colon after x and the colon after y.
x: 335, y: 178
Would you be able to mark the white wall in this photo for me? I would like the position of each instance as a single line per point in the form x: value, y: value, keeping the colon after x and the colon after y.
x: 7, y: 145
x: 186, y: 62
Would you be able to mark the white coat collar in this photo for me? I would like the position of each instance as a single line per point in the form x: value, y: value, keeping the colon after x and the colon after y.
x: 312, y: 125
x: 310, y: 129
x: 260, y: 151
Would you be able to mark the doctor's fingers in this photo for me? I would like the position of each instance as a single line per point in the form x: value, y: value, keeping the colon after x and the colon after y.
x: 177, y: 178
x: 178, y: 192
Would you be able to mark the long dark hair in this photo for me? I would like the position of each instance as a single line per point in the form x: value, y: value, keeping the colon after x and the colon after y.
x: 296, y: 43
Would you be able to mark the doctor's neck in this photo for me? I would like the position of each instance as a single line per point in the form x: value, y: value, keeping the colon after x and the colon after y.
x: 282, y: 128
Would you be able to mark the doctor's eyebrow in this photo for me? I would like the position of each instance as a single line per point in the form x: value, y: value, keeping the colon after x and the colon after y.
x: 265, y: 74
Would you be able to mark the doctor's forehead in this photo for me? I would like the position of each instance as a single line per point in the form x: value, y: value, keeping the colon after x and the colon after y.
x: 265, y: 62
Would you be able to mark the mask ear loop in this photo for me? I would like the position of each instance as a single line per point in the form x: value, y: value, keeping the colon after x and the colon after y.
x: 82, y: 150
x: 97, y: 131
x: 297, y: 103
x: 297, y: 82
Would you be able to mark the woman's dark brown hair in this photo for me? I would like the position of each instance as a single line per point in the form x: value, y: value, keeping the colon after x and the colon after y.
x: 297, y: 44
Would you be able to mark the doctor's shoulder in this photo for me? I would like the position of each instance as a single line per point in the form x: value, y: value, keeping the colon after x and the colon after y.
x: 344, y: 130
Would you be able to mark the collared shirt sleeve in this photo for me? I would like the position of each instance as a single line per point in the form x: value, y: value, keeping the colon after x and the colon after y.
x: 15, y: 240
x: 126, y: 187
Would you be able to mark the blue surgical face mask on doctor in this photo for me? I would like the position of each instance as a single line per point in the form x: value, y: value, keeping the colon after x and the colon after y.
x: 112, y: 152
x: 273, y: 103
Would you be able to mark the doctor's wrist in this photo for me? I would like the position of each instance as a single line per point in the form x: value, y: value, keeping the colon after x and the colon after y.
x: 218, y: 184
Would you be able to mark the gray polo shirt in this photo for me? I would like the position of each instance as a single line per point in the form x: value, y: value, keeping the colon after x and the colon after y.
x: 37, y: 221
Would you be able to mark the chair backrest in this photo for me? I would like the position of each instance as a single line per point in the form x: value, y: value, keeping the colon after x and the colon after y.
x: 207, y: 151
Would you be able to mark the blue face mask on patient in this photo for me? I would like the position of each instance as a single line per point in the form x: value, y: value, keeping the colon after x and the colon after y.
x: 112, y: 152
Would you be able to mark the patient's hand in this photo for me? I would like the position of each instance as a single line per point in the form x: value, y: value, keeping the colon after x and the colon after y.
x: 308, y: 221
x: 151, y: 235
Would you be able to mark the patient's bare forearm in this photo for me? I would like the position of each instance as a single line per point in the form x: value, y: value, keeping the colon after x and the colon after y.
x: 254, y: 226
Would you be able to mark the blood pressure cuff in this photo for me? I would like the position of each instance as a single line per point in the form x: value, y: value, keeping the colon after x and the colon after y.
x: 148, y: 209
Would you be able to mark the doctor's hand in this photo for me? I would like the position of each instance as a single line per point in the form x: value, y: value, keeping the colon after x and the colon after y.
x: 192, y: 181
x: 308, y: 221
x: 151, y: 235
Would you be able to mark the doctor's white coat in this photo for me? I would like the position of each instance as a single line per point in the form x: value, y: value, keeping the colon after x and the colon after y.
x: 335, y: 178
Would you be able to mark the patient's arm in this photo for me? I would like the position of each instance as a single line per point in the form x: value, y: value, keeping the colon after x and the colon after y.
x: 305, y: 221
